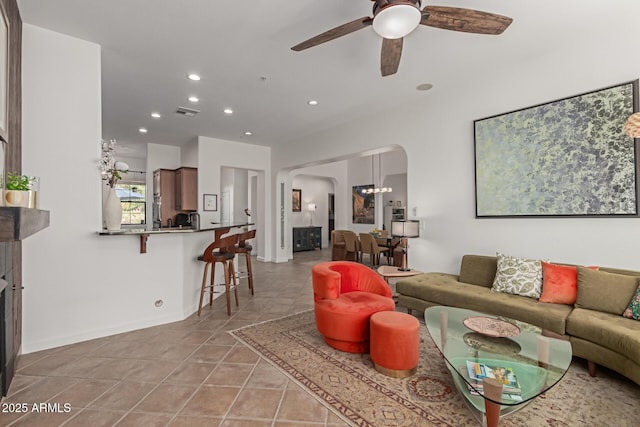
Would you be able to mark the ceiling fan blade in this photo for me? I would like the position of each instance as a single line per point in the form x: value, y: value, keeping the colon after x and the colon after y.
x: 465, y: 20
x: 334, y: 33
x: 390, y: 56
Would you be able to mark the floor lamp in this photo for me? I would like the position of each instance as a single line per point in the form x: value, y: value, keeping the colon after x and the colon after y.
x: 404, y: 230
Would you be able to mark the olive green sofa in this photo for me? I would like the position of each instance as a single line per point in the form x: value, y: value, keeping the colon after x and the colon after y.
x: 596, y: 335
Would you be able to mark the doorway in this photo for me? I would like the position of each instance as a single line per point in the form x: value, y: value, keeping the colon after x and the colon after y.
x: 331, y: 225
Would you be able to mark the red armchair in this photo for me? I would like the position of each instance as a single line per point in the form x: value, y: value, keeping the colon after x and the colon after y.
x: 345, y: 295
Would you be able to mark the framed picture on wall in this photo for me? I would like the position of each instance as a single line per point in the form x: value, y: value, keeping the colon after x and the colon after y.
x: 564, y: 158
x: 364, y: 205
x: 210, y: 202
x: 4, y: 74
x: 296, y: 200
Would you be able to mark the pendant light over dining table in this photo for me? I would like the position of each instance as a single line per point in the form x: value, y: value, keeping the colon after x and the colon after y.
x: 379, y: 188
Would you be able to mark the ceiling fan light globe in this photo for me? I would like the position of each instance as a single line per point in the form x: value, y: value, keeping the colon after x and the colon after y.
x: 396, y: 21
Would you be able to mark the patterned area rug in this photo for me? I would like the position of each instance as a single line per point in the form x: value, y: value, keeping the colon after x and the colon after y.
x: 349, y: 385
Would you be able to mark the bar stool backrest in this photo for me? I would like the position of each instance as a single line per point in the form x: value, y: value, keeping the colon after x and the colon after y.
x: 247, y: 235
x: 224, y: 246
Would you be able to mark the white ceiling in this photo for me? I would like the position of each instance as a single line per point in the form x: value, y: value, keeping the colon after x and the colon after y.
x: 149, y: 46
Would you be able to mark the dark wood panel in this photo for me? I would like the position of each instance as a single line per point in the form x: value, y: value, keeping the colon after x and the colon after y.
x: 14, y: 134
x: 20, y: 223
x: 13, y: 162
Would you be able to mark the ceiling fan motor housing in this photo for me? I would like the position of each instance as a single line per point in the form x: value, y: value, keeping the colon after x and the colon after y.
x: 380, y: 5
x: 394, y: 19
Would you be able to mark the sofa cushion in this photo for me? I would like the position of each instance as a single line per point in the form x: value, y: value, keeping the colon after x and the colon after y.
x: 445, y: 289
x: 518, y: 276
x: 603, y: 291
x: 608, y: 330
x: 478, y: 270
x: 633, y: 310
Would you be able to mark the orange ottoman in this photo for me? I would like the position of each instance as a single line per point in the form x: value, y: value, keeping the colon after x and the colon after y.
x: 395, y: 342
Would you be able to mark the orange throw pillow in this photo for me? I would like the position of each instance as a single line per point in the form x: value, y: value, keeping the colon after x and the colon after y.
x: 560, y: 283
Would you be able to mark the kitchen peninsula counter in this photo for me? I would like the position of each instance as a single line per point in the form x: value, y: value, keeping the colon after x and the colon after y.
x: 218, y: 229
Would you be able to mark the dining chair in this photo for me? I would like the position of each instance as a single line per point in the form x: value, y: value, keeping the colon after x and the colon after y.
x: 370, y: 246
x: 338, y: 246
x: 352, y: 245
x: 389, y: 243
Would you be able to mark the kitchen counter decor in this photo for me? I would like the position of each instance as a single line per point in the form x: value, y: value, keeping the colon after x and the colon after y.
x: 112, y: 171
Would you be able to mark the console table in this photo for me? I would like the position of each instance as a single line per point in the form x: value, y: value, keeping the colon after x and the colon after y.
x: 307, y: 238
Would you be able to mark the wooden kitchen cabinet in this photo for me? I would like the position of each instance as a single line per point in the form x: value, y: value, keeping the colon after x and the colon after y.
x: 164, y: 181
x: 186, y: 185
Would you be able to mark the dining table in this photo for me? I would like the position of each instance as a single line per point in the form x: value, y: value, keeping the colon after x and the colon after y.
x: 388, y: 242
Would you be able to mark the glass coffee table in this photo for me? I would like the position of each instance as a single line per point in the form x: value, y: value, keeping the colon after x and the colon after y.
x: 499, y: 365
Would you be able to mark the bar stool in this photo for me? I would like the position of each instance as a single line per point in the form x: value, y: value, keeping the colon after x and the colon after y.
x: 244, y: 248
x: 222, y: 251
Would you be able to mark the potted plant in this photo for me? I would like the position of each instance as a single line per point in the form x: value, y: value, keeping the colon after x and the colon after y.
x: 20, y: 190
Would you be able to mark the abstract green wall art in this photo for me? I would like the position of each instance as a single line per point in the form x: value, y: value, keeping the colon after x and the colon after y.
x: 569, y: 158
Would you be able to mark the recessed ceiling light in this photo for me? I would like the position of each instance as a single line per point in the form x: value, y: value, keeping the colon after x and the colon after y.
x: 312, y: 102
x: 193, y: 99
x: 193, y: 77
x: 248, y: 133
x: 424, y: 86
x: 142, y: 130
x: 155, y: 115
x: 228, y: 111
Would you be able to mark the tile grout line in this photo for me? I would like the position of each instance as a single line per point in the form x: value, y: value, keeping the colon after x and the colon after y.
x: 199, y: 386
x: 242, y: 387
x: 120, y: 381
x: 162, y: 381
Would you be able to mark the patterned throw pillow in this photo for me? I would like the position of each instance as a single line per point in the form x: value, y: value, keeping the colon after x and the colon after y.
x: 633, y: 311
x: 518, y: 276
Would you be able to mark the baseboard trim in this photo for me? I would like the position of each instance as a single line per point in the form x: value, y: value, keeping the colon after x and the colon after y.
x: 31, y: 347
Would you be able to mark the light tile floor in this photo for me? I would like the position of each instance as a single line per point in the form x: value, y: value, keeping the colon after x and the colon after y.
x: 188, y: 373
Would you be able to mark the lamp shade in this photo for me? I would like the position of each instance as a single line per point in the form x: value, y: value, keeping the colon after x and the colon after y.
x: 311, y: 207
x: 409, y: 228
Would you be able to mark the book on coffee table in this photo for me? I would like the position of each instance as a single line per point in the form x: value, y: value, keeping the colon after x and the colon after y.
x: 479, y: 371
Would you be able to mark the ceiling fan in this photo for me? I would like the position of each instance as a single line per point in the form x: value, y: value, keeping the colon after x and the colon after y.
x: 394, y: 19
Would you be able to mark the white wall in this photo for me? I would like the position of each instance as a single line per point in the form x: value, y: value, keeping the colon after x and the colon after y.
x: 240, y: 194
x: 437, y: 134
x: 189, y: 155
x: 314, y: 190
x: 213, y: 154
x: 398, y: 182
x: 319, y: 180
x: 79, y: 285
